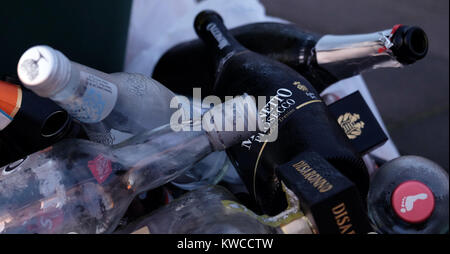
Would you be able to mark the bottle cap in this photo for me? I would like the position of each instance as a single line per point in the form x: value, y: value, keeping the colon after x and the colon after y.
x: 44, y: 70
x: 413, y: 201
x: 205, y: 17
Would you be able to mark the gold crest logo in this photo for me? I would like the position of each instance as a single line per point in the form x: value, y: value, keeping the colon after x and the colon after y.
x: 351, y: 125
x: 300, y: 86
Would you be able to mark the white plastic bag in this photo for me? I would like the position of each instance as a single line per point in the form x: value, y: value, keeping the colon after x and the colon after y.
x: 158, y: 25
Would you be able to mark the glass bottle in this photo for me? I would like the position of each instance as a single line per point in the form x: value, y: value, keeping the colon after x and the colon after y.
x: 78, y: 186
x: 322, y: 59
x: 301, y: 118
x: 409, y: 195
x: 112, y: 107
x: 214, y: 210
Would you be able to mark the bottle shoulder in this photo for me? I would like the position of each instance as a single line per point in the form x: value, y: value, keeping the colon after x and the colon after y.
x: 136, y: 83
x: 253, y: 64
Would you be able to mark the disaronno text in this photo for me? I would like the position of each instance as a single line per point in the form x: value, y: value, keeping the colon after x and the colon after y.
x: 313, y: 177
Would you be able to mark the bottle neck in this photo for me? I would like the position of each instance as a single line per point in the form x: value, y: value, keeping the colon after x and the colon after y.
x: 347, y: 55
x: 87, y: 94
x: 211, y: 29
x: 159, y: 156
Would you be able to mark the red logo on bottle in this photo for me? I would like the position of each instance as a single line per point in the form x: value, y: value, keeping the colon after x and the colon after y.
x: 413, y: 201
x: 100, y: 168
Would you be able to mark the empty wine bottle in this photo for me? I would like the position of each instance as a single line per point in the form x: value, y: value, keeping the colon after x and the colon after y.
x: 29, y: 123
x: 409, y: 195
x: 214, y: 210
x: 303, y: 120
x: 112, y: 107
x: 208, y: 171
x: 84, y: 187
x: 322, y: 59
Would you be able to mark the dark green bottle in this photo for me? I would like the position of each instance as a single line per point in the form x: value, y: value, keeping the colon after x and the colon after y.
x: 322, y: 59
x: 304, y: 122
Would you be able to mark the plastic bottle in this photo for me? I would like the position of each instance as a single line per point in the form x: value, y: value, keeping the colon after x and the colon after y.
x: 79, y: 186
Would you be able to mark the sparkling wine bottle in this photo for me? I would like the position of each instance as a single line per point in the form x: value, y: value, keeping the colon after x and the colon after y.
x: 79, y: 186
x: 322, y: 59
x: 302, y: 119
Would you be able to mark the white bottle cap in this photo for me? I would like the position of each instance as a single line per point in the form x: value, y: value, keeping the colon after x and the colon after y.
x: 44, y: 70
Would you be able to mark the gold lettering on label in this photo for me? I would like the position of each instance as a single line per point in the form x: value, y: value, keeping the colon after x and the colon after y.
x: 313, y: 177
x: 300, y: 86
x: 342, y: 219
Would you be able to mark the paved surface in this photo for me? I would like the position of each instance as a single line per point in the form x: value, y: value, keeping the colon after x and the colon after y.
x: 413, y: 101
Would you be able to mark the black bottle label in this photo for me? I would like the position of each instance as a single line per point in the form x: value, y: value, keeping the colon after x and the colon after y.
x: 257, y: 156
x: 293, y: 107
x: 281, y: 106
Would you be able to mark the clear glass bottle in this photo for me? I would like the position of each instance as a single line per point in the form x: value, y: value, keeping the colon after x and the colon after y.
x: 112, y: 106
x: 79, y: 186
x: 214, y: 210
x: 208, y: 171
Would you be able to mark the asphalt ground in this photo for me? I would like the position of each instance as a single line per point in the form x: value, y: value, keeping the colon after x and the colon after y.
x: 414, y: 100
